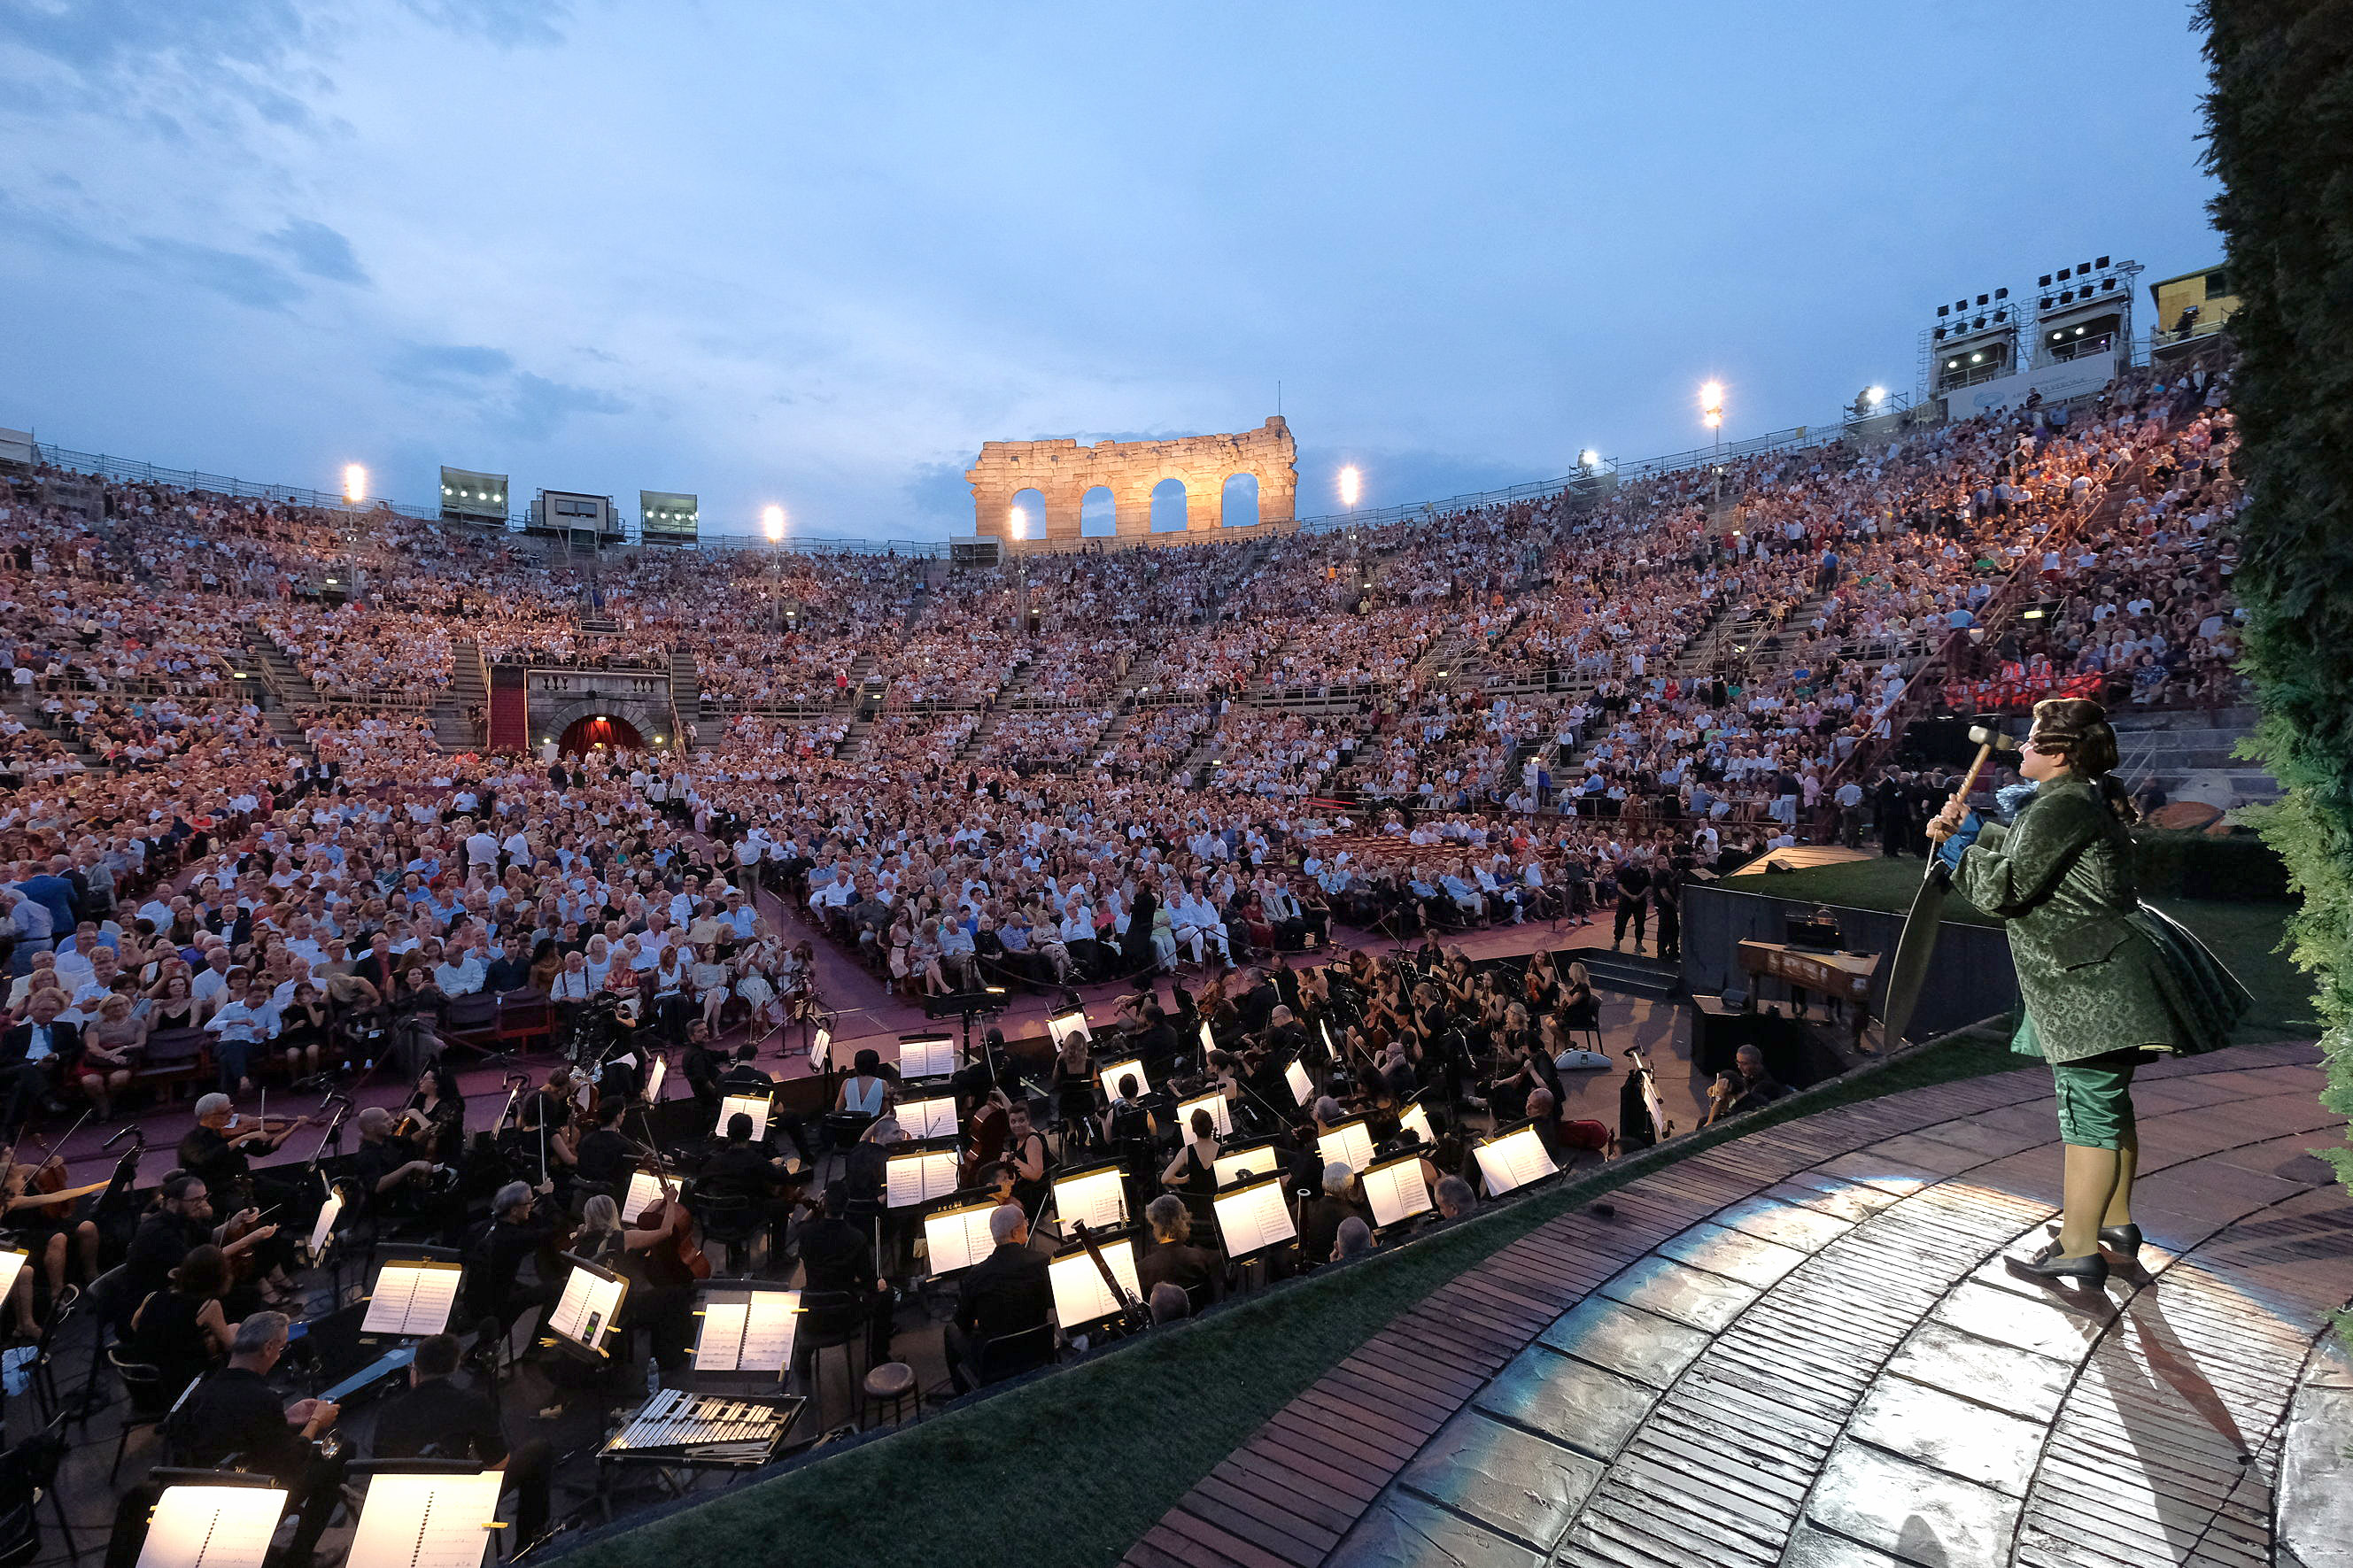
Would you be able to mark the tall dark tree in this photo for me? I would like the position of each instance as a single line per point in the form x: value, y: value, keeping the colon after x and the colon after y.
x: 2279, y: 137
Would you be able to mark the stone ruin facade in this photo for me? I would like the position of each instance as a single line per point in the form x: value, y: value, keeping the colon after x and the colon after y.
x: 1063, y: 472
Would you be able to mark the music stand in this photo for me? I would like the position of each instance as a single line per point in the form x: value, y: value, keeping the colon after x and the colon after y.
x: 644, y: 1192
x: 1513, y: 1158
x: 1256, y: 1158
x: 1252, y: 1217
x: 1110, y: 1073
x: 820, y: 1050
x: 1350, y: 1143
x: 585, y: 1311
x: 933, y: 1116
x: 211, y: 1519
x: 956, y: 1237
x: 1097, y: 1196
x: 1082, y: 1300
x: 1214, y: 1102
x: 652, y: 1093
x: 745, y: 1333
x: 1302, y: 1088
x: 1061, y: 1025
x: 425, y: 1513
x: 1395, y: 1189
x: 755, y: 1106
x: 1208, y: 1042
x: 414, y: 1296
x: 913, y: 1177
x: 12, y: 1263
x: 927, y: 1055
x: 1415, y: 1119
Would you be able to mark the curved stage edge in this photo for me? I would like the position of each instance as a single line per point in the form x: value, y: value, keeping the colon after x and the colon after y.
x: 1800, y: 1347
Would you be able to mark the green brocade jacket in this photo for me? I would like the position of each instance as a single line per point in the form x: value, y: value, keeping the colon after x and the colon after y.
x: 2098, y: 971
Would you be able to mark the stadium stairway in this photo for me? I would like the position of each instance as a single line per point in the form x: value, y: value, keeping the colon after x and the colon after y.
x: 998, y: 705
x: 2190, y: 753
x: 280, y: 674
x: 685, y: 695
x: 26, y: 711
x: 468, y: 692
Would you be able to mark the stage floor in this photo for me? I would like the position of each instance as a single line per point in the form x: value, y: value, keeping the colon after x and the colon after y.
x: 1801, y: 1348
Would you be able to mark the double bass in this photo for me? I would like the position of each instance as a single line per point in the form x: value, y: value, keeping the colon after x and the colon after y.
x: 675, y: 1260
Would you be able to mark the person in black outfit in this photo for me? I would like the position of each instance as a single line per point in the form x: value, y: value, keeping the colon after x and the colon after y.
x: 435, y: 1419
x: 605, y: 1156
x: 1172, y: 1258
x: 1320, y: 1217
x: 743, y: 1169
x: 402, y: 1184
x: 838, y: 1256
x: 1156, y: 1043
x: 511, y: 971
x: 516, y: 1233
x: 1005, y: 1293
x: 1633, y: 902
x: 1891, y: 808
x: 234, y: 1411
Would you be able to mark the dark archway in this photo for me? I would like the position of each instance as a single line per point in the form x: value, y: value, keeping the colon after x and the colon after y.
x: 584, y: 736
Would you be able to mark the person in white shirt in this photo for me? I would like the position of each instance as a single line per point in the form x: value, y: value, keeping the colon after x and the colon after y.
x: 238, y: 1029
x: 482, y: 849
x: 459, y: 972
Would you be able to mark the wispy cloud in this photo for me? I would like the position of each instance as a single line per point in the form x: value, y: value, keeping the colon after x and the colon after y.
x: 319, y: 251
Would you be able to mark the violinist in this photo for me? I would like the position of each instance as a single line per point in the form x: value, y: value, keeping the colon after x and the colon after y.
x: 180, y: 1221
x: 220, y: 1149
x: 745, y: 1170
x: 605, y: 1154
x: 40, y: 1211
x: 442, y: 1104
x: 1285, y: 1036
x: 402, y: 1182
x: 1195, y: 1168
x: 517, y: 1231
x: 1074, y: 1090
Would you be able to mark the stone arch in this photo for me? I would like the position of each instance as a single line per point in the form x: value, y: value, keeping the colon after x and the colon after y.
x: 1102, y: 520
x: 649, y: 718
x: 1030, y: 501
x: 1168, y: 500
x: 1238, y: 501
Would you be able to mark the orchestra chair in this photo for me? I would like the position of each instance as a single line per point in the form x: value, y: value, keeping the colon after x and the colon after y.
x: 109, y: 1308
x: 1010, y: 1355
x: 148, y: 1401
x: 892, y: 1384
x: 735, y: 1222
x: 830, y: 1319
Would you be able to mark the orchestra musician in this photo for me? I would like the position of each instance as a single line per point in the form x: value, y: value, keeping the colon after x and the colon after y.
x: 218, y: 1149
x: 401, y: 1180
x: 435, y: 1419
x: 235, y: 1410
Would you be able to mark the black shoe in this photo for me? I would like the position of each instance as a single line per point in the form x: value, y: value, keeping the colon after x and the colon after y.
x: 2089, y: 1272
x: 2125, y: 1240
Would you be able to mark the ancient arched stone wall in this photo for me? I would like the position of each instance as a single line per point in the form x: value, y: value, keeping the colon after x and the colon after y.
x: 1063, y: 472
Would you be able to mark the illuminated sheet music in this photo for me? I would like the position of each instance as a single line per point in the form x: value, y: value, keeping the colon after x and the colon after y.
x: 1350, y: 1143
x: 1513, y: 1161
x: 1417, y: 1120
x: 747, y: 1331
x: 1081, y: 1296
x: 923, y: 1119
x: 919, y: 1177
x: 1098, y: 1197
x: 645, y: 1193
x: 927, y: 1055
x: 654, y: 1076
x: 1252, y: 1218
x: 1261, y: 1161
x: 1208, y: 1043
x: 1214, y: 1102
x: 412, y: 1298
x: 754, y: 1106
x: 212, y: 1527
x: 585, y: 1311
x: 425, y: 1522
x: 322, y: 1227
x: 1060, y: 1026
x: 1396, y: 1190
x: 1302, y: 1088
x: 820, y: 1048
x: 957, y: 1237
x: 1114, y: 1073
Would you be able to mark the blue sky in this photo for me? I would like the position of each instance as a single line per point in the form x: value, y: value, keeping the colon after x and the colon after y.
x: 816, y: 255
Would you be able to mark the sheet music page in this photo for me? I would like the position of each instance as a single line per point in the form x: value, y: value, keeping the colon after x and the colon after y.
x: 1079, y: 1294
x: 425, y: 1521
x: 958, y: 1239
x: 1063, y: 1025
x: 1396, y: 1191
x: 436, y: 1293
x: 903, y: 1181
x: 939, y: 1174
x: 1099, y: 1197
x: 929, y: 1118
x: 212, y: 1527
x: 1348, y: 1144
x: 1260, y: 1162
x: 329, y: 1213
x: 645, y: 1193
x: 1114, y: 1073
x: 1302, y: 1088
x: 1417, y: 1119
x: 768, y: 1330
x: 820, y: 1048
x: 654, y: 1076
x: 1514, y: 1162
x: 754, y: 1106
x: 1214, y: 1102
x: 585, y: 1309
x: 719, y: 1344
x: 396, y: 1283
x: 1208, y: 1043
x: 1253, y: 1218
x: 927, y: 1055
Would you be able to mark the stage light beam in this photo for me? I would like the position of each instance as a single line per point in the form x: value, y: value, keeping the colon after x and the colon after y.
x: 772, y: 523
x: 354, y: 483
x: 1352, y: 485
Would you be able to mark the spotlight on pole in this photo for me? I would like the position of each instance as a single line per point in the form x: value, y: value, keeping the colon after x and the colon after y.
x: 1017, y: 524
x: 1352, y: 485
x: 772, y: 523
x: 1589, y: 458
x: 354, y: 483
x: 1711, y: 405
x: 1878, y: 394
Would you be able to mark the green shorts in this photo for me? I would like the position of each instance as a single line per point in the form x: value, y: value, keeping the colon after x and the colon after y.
x: 2096, y: 1107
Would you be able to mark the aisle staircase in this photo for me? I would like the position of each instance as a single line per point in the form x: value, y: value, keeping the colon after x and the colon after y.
x: 685, y: 694
x: 468, y: 691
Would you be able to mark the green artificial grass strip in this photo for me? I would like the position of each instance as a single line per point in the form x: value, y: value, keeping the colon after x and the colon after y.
x: 1067, y: 1471
x: 2247, y: 937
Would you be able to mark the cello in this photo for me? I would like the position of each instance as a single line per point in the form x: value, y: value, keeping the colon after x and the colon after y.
x: 675, y: 1260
